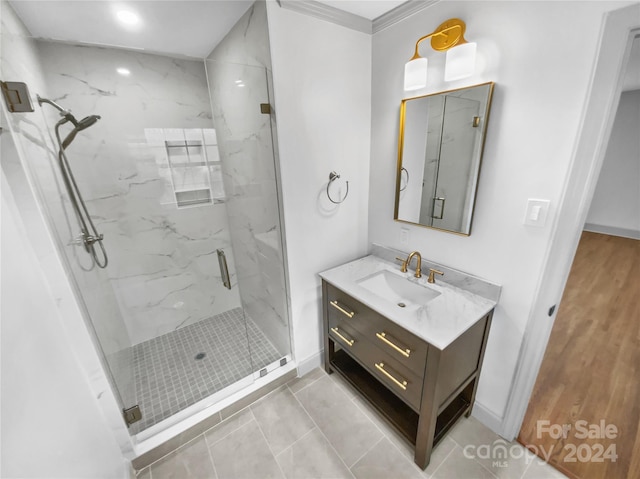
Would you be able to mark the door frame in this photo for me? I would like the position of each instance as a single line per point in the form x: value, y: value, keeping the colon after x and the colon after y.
x: 616, y: 36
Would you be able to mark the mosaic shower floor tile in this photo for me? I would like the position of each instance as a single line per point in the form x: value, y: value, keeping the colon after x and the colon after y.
x: 178, y: 369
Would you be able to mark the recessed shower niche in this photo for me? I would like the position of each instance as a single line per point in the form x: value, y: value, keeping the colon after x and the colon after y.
x: 178, y: 173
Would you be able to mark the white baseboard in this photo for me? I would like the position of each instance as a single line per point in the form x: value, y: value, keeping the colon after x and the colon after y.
x: 310, y: 363
x: 488, y: 418
x: 612, y: 230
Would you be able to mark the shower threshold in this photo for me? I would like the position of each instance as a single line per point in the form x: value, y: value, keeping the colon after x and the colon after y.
x: 182, y: 427
x: 181, y: 368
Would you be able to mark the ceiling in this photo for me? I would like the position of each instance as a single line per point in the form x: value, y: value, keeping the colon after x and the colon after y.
x: 180, y: 27
x: 176, y: 27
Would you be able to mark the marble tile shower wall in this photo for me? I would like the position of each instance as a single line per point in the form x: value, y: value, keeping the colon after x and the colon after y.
x: 37, y: 165
x: 163, y: 262
x: 239, y: 70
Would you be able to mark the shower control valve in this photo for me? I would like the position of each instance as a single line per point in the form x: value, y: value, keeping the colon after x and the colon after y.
x: 90, y: 239
x: 86, y: 239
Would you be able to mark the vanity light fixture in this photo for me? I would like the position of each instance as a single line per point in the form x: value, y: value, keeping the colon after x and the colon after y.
x: 460, y: 60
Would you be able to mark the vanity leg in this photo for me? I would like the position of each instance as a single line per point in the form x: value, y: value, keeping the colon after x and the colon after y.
x: 424, y: 444
x: 472, y: 396
x: 329, y: 347
x: 428, y: 412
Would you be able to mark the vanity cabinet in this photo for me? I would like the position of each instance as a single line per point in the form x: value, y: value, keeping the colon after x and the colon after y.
x: 418, y: 388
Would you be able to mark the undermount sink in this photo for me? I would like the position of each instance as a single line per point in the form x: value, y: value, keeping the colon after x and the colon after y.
x: 398, y: 289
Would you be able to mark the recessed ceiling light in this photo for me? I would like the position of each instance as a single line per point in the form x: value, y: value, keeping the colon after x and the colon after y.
x: 125, y: 72
x: 127, y: 17
x: 238, y: 82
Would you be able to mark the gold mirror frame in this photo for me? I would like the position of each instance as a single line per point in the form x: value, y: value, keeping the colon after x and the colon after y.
x: 474, y: 161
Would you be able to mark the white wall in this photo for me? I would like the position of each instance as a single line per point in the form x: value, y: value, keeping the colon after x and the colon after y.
x: 541, y: 56
x: 615, y: 207
x: 51, y: 426
x: 322, y: 96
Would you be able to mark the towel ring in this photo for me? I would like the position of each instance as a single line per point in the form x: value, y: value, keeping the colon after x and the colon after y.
x: 332, y: 177
x: 407, y: 182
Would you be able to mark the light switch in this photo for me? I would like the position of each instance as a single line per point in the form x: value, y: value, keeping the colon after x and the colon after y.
x: 537, y: 211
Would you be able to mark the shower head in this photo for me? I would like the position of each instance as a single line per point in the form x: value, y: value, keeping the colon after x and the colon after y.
x: 87, y: 122
x: 79, y: 126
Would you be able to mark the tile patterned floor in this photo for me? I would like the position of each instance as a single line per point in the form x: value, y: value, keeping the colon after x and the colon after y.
x: 316, y: 427
x: 169, y: 378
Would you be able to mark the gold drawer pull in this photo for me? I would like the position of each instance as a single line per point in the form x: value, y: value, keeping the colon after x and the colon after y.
x: 348, y: 341
x: 383, y: 336
x: 341, y: 309
x: 401, y: 384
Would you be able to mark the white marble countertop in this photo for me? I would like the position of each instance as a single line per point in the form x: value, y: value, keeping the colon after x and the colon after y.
x: 439, y: 322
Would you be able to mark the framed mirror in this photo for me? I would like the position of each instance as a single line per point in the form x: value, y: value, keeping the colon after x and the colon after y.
x: 439, y: 155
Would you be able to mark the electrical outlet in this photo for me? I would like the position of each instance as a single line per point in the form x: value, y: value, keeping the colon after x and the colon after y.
x: 404, y: 236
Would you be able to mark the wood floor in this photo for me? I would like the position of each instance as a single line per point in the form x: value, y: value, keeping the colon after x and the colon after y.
x: 591, y: 368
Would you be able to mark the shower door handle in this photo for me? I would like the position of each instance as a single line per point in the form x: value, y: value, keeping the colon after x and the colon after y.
x: 433, y: 215
x: 224, y: 270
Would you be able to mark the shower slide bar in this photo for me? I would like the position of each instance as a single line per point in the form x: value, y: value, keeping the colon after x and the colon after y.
x: 89, y: 234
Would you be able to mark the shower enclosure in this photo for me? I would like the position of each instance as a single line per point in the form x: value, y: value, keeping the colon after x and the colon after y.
x: 179, y: 176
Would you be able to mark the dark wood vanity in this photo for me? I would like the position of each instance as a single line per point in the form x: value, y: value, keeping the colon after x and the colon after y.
x: 418, y: 388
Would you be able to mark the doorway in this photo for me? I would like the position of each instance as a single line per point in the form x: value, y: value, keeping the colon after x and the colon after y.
x: 588, y: 381
x: 584, y: 413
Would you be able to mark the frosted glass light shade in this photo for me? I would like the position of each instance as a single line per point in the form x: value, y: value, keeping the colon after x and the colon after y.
x: 461, y: 62
x: 415, y: 74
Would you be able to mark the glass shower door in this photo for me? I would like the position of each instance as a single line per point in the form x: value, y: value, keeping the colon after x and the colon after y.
x: 242, y: 115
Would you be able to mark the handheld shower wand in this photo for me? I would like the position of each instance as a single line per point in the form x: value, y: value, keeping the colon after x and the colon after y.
x: 79, y: 126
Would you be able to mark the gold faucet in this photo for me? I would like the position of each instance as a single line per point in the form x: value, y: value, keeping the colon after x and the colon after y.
x: 407, y: 262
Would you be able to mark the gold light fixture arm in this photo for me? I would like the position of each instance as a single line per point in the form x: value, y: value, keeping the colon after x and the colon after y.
x: 440, y: 41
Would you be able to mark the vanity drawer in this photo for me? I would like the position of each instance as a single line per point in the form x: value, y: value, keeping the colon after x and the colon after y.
x: 398, y: 379
x: 409, y: 350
